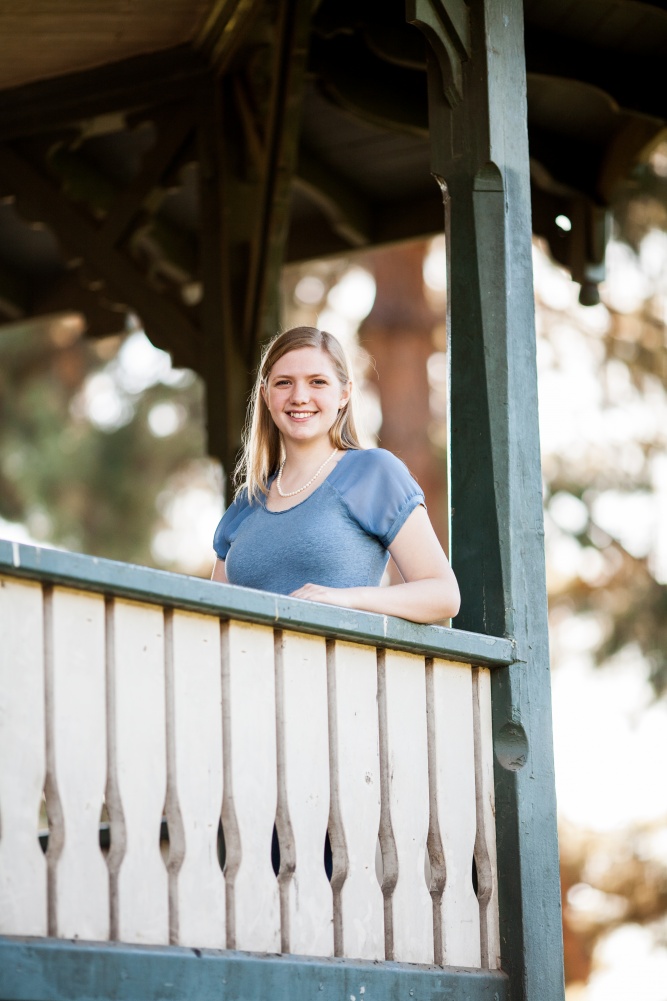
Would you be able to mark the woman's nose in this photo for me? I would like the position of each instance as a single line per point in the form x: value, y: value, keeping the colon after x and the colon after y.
x: 299, y: 393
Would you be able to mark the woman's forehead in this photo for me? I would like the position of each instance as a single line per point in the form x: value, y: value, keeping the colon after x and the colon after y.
x: 304, y: 361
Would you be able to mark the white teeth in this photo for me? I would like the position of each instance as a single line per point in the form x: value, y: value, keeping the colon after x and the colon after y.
x: 299, y: 415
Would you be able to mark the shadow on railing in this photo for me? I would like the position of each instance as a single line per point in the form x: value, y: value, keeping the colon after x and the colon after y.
x: 182, y: 706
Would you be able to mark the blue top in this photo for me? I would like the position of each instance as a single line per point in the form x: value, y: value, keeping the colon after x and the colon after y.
x: 337, y: 537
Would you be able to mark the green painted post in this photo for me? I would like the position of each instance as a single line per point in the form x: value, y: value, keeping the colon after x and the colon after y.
x: 477, y: 106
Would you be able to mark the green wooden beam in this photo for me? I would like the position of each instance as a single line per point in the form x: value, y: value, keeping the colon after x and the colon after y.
x: 446, y: 25
x: 480, y: 158
x: 179, y: 591
x: 53, y: 970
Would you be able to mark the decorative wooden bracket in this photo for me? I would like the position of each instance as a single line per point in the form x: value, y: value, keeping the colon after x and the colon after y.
x: 446, y: 26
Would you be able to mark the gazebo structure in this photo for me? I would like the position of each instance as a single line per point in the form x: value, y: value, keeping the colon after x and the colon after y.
x: 174, y: 156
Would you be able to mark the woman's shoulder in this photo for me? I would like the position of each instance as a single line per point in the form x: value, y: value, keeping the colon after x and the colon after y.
x: 378, y: 491
x: 373, y: 461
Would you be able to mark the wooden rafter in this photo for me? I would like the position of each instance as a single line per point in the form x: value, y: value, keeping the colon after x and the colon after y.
x: 175, y: 331
x: 170, y: 139
x: 142, y: 81
x: 280, y: 150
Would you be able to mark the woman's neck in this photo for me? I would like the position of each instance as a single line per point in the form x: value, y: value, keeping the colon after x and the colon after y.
x: 300, y: 456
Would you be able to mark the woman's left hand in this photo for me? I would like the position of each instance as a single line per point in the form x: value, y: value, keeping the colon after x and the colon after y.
x: 327, y: 595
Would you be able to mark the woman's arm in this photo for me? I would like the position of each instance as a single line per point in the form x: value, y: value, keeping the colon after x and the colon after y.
x: 219, y: 572
x: 430, y: 592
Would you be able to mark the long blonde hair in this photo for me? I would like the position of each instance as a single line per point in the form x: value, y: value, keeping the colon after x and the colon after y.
x: 262, y: 446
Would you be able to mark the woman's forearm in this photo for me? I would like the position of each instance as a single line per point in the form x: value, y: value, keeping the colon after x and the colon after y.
x: 424, y: 601
x: 419, y: 600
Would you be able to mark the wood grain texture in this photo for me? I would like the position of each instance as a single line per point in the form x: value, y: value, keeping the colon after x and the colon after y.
x: 76, y: 763
x: 46, y: 971
x: 355, y: 800
x: 22, y: 753
x: 195, y: 594
x: 453, y: 826
x: 250, y: 796
x: 306, y: 904
x: 194, y: 770
x: 405, y: 807
x: 480, y: 152
x: 43, y: 41
x: 485, y: 843
x: 137, y: 772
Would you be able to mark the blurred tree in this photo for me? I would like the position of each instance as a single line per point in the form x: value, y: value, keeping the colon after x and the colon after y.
x: 85, y: 456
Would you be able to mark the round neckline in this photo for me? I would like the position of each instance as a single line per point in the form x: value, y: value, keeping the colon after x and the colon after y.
x: 305, y: 500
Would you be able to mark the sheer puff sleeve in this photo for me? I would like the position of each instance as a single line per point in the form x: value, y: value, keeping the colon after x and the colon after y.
x: 379, y: 492
x: 230, y: 523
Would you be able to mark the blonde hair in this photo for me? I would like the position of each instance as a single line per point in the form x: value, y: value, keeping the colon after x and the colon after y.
x: 262, y: 446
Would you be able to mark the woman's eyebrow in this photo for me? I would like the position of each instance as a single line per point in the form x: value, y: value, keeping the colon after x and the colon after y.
x: 288, y: 375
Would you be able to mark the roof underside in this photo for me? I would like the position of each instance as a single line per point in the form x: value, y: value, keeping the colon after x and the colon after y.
x: 596, y: 103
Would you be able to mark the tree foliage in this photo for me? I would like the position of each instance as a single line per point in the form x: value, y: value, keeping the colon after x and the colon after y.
x: 81, y: 464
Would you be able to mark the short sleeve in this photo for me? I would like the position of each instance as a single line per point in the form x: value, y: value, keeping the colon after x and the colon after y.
x: 229, y: 524
x: 379, y: 492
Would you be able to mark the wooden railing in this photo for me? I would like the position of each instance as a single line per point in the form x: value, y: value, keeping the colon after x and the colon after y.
x: 148, y: 695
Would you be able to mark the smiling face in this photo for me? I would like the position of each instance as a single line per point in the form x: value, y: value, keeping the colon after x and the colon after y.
x: 304, y: 395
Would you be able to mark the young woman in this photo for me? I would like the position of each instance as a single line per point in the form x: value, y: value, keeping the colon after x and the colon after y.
x: 317, y: 515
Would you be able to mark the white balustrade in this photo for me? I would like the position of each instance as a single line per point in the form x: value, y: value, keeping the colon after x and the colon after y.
x: 76, y: 763
x: 355, y: 800
x: 250, y: 800
x: 405, y: 808
x: 194, y: 770
x: 306, y: 902
x: 485, y: 844
x: 453, y: 822
x: 137, y: 779
x: 158, y: 710
x: 22, y: 759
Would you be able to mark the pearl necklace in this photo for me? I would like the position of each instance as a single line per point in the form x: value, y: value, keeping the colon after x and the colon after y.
x: 292, y: 493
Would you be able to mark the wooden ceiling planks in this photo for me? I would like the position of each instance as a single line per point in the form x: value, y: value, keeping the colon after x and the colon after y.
x: 42, y: 40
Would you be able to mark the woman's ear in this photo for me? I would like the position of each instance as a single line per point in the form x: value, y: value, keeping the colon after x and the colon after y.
x: 262, y: 391
x: 345, y: 395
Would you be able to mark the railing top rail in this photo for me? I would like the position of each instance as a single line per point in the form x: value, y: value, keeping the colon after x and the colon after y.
x: 125, y: 580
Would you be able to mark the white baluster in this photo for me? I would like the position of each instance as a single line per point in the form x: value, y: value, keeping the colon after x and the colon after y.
x: 137, y: 772
x: 453, y: 806
x: 355, y: 800
x: 485, y: 845
x: 405, y: 808
x: 194, y: 763
x: 76, y: 763
x: 249, y: 805
x: 22, y: 863
x: 306, y: 902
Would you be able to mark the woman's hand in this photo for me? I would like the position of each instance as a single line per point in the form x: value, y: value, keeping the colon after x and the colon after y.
x: 327, y: 595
